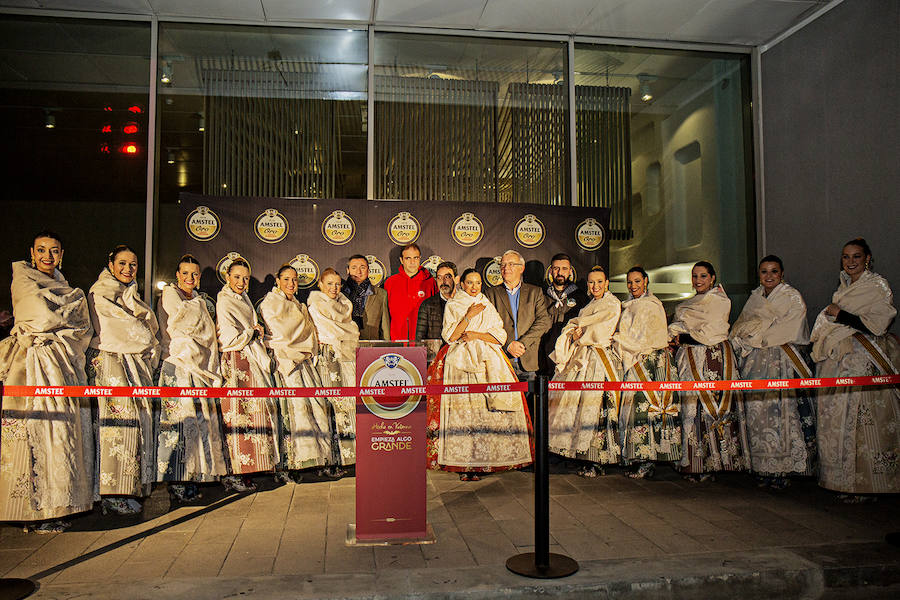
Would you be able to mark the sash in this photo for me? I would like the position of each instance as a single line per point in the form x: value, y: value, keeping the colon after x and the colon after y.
x: 880, y: 361
x: 799, y: 364
x: 658, y: 406
x: 610, y: 376
x: 716, y: 410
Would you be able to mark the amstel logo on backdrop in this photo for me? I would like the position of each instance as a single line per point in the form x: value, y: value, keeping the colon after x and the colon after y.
x: 202, y: 224
x: 431, y: 263
x: 338, y: 228
x: 403, y: 229
x: 491, y: 273
x: 391, y: 370
x: 589, y: 234
x: 376, y: 270
x: 271, y: 226
x: 467, y: 230
x: 307, y: 270
x: 225, y: 262
x: 530, y: 231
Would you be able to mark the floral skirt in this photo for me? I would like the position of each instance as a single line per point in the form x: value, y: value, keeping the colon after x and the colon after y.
x: 334, y: 372
x: 250, y: 424
x: 306, y: 431
x: 650, y: 422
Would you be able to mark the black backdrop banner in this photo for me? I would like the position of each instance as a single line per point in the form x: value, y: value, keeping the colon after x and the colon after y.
x: 315, y: 234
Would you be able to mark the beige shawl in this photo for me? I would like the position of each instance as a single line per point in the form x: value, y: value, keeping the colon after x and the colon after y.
x: 123, y: 324
x: 770, y: 321
x: 642, y: 329
x: 189, y: 335
x: 474, y: 356
x: 870, y: 298
x: 290, y: 332
x: 704, y: 317
x: 598, y: 321
x: 334, y: 323
x: 236, y: 320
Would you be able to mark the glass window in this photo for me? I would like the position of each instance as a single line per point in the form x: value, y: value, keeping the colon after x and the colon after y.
x: 73, y: 117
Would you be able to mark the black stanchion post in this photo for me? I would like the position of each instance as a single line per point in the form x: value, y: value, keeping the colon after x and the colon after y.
x: 541, y: 563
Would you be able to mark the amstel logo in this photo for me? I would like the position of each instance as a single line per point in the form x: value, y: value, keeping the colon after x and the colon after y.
x: 530, y: 231
x: 491, y: 274
x: 403, y: 229
x: 589, y: 235
x: 431, y: 263
x: 391, y: 370
x: 467, y: 230
x: 307, y: 270
x: 202, y: 224
x: 271, y: 226
x: 376, y: 270
x: 225, y: 262
x: 338, y: 228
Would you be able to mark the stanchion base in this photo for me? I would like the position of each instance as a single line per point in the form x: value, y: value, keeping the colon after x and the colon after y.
x: 14, y: 589
x: 523, y: 564
x: 893, y: 538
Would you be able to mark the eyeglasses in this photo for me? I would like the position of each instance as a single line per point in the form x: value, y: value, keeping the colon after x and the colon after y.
x: 511, y: 265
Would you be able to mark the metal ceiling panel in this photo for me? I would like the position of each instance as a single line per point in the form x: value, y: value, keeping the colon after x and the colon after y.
x: 317, y: 10
x: 438, y: 13
x: 245, y: 10
x: 131, y: 7
x: 640, y: 18
x: 546, y: 17
x: 749, y: 22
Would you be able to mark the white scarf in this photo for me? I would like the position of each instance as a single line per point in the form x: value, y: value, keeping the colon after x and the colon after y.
x: 191, y: 335
x: 236, y: 321
x: 123, y: 324
x: 767, y: 322
x: 598, y: 321
x: 474, y: 356
x: 870, y: 298
x: 290, y: 332
x: 704, y: 317
x: 334, y: 323
x: 642, y: 329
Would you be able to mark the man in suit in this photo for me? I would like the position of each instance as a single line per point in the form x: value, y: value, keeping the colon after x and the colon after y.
x: 431, y: 311
x: 523, y: 308
x: 370, y: 311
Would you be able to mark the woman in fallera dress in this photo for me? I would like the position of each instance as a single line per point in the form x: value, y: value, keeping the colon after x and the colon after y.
x: 123, y: 352
x: 769, y: 339
x: 713, y: 437
x: 332, y: 314
x: 649, y: 421
x: 858, y: 427
x: 190, y: 448
x: 583, y: 425
x: 47, y: 453
x: 306, y: 435
x: 250, y: 423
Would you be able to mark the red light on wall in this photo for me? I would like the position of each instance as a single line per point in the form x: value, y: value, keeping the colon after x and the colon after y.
x: 130, y: 128
x: 135, y: 109
x: 104, y: 149
x: 106, y: 128
x: 129, y: 149
x: 107, y: 108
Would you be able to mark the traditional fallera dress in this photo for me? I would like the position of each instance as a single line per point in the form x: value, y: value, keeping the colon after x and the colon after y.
x: 713, y: 438
x: 478, y: 432
x: 306, y: 433
x: 858, y: 427
x: 190, y: 441
x: 336, y: 363
x: 251, y: 424
x: 47, y: 453
x: 768, y: 339
x: 649, y: 421
x: 584, y: 424
x: 124, y: 352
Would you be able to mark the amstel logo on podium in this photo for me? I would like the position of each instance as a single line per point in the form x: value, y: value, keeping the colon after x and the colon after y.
x: 390, y: 446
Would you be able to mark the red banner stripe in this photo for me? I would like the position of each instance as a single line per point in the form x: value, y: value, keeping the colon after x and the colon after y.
x: 624, y: 386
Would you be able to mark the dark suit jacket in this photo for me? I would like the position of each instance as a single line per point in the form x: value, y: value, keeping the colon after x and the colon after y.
x: 431, y: 318
x: 533, y: 320
x: 376, y: 319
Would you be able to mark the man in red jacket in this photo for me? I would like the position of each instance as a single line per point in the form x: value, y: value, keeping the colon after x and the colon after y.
x: 406, y: 290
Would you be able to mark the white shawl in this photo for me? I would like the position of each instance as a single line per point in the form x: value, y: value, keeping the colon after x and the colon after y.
x: 334, y: 323
x: 189, y: 335
x: 767, y: 322
x: 123, y: 324
x: 598, y: 321
x: 290, y: 332
x: 236, y: 321
x: 704, y: 317
x: 870, y: 298
x: 642, y: 329
x: 475, y: 356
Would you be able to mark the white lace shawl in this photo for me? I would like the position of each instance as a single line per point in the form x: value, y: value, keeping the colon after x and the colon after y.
x: 123, y: 324
x: 236, y: 320
x: 642, y: 329
x: 290, y: 332
x: 598, y: 321
x: 334, y: 323
x: 704, y: 317
x: 766, y: 322
x: 189, y: 337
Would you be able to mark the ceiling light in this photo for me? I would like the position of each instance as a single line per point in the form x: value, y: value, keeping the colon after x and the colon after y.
x: 50, y: 121
x: 646, y: 95
x: 201, y: 125
x: 644, y: 88
x: 170, y: 157
x: 165, y: 68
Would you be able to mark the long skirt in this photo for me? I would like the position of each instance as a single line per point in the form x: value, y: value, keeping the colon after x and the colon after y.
x: 859, y: 428
x: 780, y: 424
x: 650, y: 422
x: 250, y: 424
x: 126, y: 448
x: 190, y: 446
x: 46, y: 444
x: 585, y: 424
x: 464, y: 435
x: 334, y: 372
x: 713, y: 437
x: 307, y: 432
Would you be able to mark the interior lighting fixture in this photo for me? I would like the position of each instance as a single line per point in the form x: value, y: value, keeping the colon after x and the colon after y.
x: 201, y: 124
x: 49, y: 120
x: 170, y: 157
x: 130, y: 128
x: 129, y: 149
x: 165, y: 68
x: 644, y: 80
